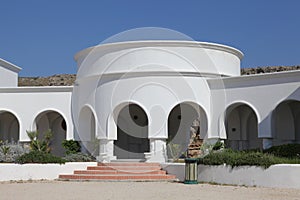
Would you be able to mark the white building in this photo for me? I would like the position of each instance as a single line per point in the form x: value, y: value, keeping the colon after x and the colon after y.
x: 136, y: 96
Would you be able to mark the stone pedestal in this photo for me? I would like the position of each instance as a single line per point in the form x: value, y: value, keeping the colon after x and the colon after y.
x: 158, y: 150
x: 106, y: 151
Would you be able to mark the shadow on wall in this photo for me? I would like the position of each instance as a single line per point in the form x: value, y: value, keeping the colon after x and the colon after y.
x: 9, y: 127
x: 286, y: 120
x: 86, y: 134
x: 132, y: 133
x: 54, y: 121
x: 180, y: 121
x: 242, y: 127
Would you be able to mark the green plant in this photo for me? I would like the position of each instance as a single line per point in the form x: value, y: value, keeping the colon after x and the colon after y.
x: 39, y: 157
x: 242, y: 158
x: 175, y: 150
x: 285, y: 150
x: 71, y: 146
x: 37, y: 144
x: 78, y: 157
x: 9, y: 151
x: 5, y: 150
x: 219, y: 145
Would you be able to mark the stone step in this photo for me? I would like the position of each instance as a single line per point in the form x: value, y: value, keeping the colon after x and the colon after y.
x: 124, y: 168
x: 118, y: 172
x: 124, y: 171
x: 116, y: 177
x: 128, y: 164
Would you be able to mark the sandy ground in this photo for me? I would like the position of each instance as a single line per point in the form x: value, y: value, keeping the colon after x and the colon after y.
x: 137, y: 190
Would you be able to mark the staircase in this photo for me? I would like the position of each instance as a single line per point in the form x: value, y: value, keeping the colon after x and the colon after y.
x: 120, y: 171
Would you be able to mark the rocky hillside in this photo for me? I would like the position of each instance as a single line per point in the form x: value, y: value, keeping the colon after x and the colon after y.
x: 68, y: 79
x: 260, y: 70
x: 55, y: 80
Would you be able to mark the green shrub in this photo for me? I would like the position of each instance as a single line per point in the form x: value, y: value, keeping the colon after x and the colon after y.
x: 37, y: 144
x: 242, y: 158
x: 78, y: 157
x: 71, y: 146
x: 218, y: 145
x: 9, y: 151
x: 286, y: 150
x: 39, y: 157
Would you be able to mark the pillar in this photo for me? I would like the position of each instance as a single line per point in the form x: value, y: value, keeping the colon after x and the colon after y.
x: 158, y: 150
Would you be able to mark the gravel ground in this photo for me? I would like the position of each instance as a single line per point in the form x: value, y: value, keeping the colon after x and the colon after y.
x: 137, y: 190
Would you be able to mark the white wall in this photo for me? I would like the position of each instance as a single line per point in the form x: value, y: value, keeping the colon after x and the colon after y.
x: 26, y: 103
x: 8, y: 76
x: 278, y: 176
x: 9, y: 172
x: 263, y: 93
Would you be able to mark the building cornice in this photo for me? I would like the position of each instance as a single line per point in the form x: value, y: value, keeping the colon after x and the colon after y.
x: 255, y: 80
x: 37, y: 89
x: 161, y: 43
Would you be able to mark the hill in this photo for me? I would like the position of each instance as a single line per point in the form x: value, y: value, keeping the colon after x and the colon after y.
x: 69, y: 79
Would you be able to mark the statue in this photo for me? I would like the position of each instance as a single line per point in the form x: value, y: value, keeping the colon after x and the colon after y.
x: 194, y: 150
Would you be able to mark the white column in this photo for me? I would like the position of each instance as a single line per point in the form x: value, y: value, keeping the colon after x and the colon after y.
x: 106, y: 151
x: 158, y: 150
x: 110, y: 149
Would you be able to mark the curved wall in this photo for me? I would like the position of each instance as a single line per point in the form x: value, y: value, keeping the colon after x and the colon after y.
x: 159, y: 56
x: 156, y: 76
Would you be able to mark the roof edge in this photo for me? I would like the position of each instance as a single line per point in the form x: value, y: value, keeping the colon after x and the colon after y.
x: 10, y: 66
x: 140, y: 43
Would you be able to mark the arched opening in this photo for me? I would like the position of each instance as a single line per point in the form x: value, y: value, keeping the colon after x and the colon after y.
x: 242, y: 128
x: 9, y: 127
x: 87, y: 132
x: 286, y: 123
x: 56, y: 123
x: 132, y: 133
x: 183, y: 119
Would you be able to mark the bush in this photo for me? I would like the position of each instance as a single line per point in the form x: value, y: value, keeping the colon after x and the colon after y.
x: 9, y: 151
x: 219, y: 145
x: 242, y: 158
x: 286, y: 150
x: 39, y: 157
x: 78, y: 157
x: 71, y: 146
x: 40, y: 144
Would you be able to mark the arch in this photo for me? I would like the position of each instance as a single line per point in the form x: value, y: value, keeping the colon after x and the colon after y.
x: 9, y: 126
x: 55, y: 121
x: 286, y: 122
x: 235, y: 104
x: 87, y: 126
x: 132, y: 131
x: 241, y: 123
x: 184, y: 118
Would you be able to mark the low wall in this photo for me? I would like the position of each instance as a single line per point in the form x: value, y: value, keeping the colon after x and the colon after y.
x: 280, y: 176
x: 10, y: 172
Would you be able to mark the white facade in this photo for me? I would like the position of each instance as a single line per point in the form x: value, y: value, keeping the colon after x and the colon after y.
x: 135, y: 97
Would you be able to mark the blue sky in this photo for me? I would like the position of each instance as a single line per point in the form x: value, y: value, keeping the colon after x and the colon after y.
x: 43, y: 36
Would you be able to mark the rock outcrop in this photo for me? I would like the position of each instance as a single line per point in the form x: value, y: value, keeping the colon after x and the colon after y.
x: 261, y: 70
x: 55, y: 80
x: 69, y: 79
